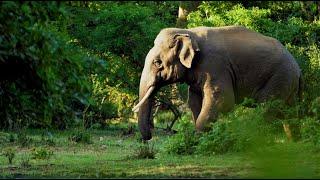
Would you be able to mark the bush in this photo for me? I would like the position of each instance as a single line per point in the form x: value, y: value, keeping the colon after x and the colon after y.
x: 34, y: 90
x: 9, y: 153
x: 164, y: 117
x: 47, y: 139
x: 218, y: 140
x: 4, y: 137
x: 41, y: 153
x: 185, y: 141
x: 23, y: 139
x: 145, y: 151
x: 80, y: 136
x: 117, y: 27
x: 240, y: 130
x: 315, y: 108
x: 310, y: 130
x: 25, y: 161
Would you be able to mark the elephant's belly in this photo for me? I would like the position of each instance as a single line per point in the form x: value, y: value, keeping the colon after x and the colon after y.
x: 249, y: 90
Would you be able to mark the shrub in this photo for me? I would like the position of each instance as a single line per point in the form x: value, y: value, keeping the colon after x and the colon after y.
x: 25, y: 161
x: 4, y: 137
x: 240, y: 130
x: 47, y: 139
x: 145, y: 151
x: 315, y: 108
x: 80, y: 136
x: 23, y: 139
x: 310, y: 130
x: 9, y: 153
x: 234, y: 15
x: 164, y: 117
x: 34, y: 90
x: 41, y: 153
x: 185, y: 140
x: 218, y: 140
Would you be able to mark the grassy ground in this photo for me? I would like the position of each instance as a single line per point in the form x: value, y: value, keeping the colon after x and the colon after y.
x: 113, y: 155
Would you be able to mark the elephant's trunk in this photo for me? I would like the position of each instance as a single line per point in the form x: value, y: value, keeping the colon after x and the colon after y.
x: 144, y: 106
x: 144, y: 116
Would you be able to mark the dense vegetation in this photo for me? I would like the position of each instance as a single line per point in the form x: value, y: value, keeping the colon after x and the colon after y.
x: 64, y: 63
x: 77, y: 65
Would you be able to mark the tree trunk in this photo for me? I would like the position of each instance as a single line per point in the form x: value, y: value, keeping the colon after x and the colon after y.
x: 185, y: 7
x: 318, y: 6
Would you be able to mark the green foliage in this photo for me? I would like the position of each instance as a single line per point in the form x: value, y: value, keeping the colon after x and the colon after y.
x: 223, y: 14
x: 80, y: 136
x: 185, y: 141
x: 23, y: 139
x: 315, y: 108
x: 25, y: 161
x: 111, y: 101
x: 164, y: 117
x: 240, y: 130
x: 5, y: 137
x: 119, y: 28
x: 310, y: 130
x: 41, y: 153
x: 218, y: 140
x: 145, y: 151
x: 235, y: 131
x: 9, y: 153
x: 35, y: 91
x: 308, y: 59
x: 47, y: 138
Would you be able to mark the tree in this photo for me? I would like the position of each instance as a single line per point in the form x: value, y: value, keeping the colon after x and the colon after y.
x: 185, y: 7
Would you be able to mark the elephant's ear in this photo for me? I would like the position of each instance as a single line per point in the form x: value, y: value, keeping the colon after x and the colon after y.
x: 186, y: 48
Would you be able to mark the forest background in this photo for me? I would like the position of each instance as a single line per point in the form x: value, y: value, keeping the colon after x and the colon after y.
x: 77, y: 65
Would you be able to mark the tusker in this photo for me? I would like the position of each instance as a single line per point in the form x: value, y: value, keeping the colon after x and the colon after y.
x: 222, y: 66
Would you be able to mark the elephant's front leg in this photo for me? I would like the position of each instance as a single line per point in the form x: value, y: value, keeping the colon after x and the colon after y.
x: 195, y: 103
x: 212, y: 103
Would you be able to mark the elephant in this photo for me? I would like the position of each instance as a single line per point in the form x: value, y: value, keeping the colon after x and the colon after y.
x: 221, y: 66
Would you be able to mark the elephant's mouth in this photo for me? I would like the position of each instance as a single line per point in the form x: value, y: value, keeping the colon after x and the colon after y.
x: 146, y: 96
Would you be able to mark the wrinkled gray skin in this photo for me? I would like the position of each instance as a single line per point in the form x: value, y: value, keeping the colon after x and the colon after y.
x: 222, y: 66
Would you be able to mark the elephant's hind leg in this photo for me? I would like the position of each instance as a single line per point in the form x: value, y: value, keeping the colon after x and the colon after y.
x: 280, y: 86
x: 195, y: 104
x: 275, y: 88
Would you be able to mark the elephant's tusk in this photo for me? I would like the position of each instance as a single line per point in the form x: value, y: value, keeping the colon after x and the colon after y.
x: 136, y: 108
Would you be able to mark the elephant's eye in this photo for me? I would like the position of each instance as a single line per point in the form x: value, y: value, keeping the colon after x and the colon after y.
x: 157, y: 63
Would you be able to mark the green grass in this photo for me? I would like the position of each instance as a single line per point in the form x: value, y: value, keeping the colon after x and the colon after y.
x: 112, y: 155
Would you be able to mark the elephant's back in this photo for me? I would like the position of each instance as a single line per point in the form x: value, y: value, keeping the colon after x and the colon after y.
x: 253, y: 51
x: 254, y: 58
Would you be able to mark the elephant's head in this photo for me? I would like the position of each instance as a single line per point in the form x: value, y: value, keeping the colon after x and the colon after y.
x: 166, y: 63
